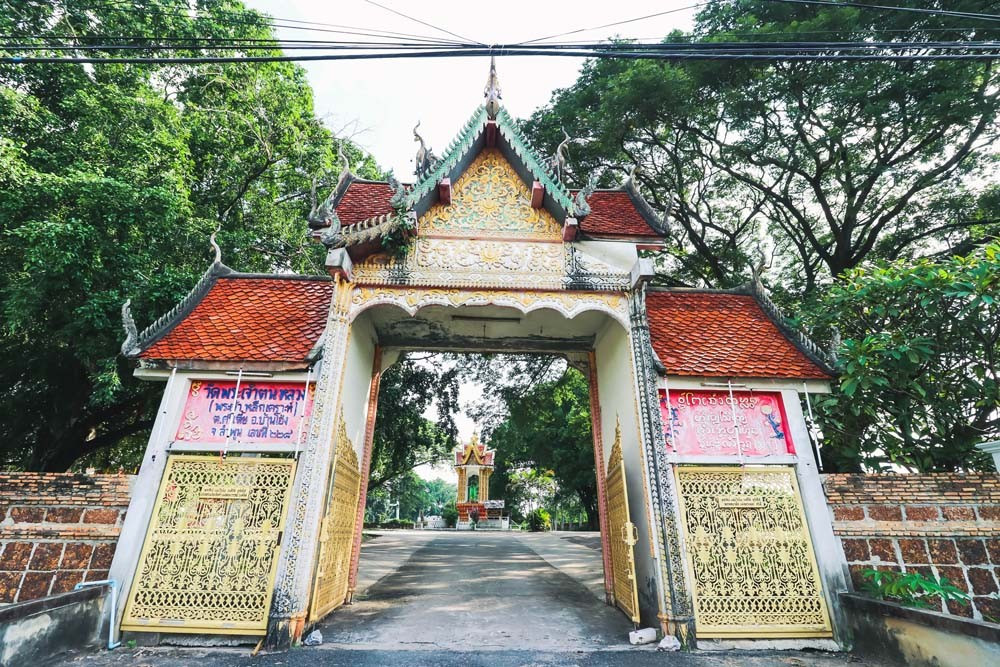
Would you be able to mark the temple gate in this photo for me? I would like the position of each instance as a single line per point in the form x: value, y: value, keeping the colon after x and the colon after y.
x: 336, y: 539
x: 622, y: 536
x: 487, y: 251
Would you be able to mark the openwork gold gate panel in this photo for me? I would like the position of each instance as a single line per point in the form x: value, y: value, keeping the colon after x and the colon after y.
x: 750, y: 554
x: 621, y: 533
x: 337, y: 534
x: 211, y: 549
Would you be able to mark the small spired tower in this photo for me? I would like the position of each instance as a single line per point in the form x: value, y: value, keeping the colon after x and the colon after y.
x: 474, y: 465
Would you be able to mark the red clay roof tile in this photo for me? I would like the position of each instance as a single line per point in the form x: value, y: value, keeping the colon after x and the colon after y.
x: 722, y: 335
x: 250, y: 319
x: 612, y: 212
x: 364, y: 200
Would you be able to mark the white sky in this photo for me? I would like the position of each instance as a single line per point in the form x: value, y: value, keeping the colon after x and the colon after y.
x: 377, y: 102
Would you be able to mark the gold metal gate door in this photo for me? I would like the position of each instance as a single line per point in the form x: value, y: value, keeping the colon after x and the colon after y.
x: 211, y: 550
x: 621, y: 534
x: 750, y: 554
x: 337, y: 533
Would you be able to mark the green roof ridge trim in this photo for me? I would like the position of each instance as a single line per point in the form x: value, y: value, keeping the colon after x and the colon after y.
x: 465, y: 140
x: 458, y: 147
x: 509, y: 129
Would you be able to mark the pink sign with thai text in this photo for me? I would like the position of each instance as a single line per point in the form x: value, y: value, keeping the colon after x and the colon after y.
x: 705, y: 423
x: 263, y: 413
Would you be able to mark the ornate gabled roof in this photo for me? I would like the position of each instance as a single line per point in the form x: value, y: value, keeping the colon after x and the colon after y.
x: 474, y: 455
x: 729, y: 333
x: 363, y: 206
x: 358, y: 212
x: 529, y: 156
x: 232, y: 316
x: 362, y: 200
x: 470, y: 140
x: 614, y: 213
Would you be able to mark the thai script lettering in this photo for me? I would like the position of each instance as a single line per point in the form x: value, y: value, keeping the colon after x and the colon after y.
x: 261, y: 412
x: 720, y: 423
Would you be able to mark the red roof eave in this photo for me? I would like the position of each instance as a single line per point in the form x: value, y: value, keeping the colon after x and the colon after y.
x: 253, y: 319
x: 719, y: 334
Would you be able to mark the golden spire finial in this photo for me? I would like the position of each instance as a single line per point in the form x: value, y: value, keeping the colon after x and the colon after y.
x: 492, y: 91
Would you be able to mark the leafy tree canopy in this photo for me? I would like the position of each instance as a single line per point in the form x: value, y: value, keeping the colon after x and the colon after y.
x: 920, y: 361
x: 548, y: 432
x: 824, y: 164
x: 404, y: 438
x: 112, y: 177
x: 415, y: 496
x: 869, y: 184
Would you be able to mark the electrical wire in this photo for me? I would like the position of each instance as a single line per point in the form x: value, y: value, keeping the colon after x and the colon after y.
x: 414, y: 46
x: 354, y: 46
x: 897, y: 8
x: 610, y: 25
x: 702, y: 47
x: 451, y: 53
x: 260, y: 20
x: 424, y: 23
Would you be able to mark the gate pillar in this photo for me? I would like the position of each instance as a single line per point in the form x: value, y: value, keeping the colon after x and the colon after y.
x: 679, y: 620
x: 299, y: 542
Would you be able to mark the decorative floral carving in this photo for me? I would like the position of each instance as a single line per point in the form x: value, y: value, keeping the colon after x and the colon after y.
x: 490, y: 199
x: 207, y: 562
x: 490, y: 256
x: 569, y: 304
x: 750, y: 553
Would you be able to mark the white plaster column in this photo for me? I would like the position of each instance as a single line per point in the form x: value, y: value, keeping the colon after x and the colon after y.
x: 299, y: 542
x: 678, y: 616
x: 826, y: 545
x: 992, y: 448
x: 144, y: 489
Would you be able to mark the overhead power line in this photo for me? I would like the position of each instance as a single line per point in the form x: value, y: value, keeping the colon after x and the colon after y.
x: 251, y: 18
x: 675, y: 55
x: 596, y: 47
x: 424, y: 23
x: 896, y: 8
x: 617, y: 23
x: 94, y: 49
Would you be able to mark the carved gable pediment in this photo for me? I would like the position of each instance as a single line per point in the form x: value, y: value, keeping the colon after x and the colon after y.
x: 490, y: 200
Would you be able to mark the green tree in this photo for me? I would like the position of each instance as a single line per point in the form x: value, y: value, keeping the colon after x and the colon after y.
x: 404, y: 438
x: 441, y: 493
x: 414, y: 494
x: 863, y: 180
x: 830, y: 163
x: 921, y: 364
x: 111, y: 179
x: 547, y: 434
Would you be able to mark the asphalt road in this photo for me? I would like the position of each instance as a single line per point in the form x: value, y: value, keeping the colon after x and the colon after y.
x: 477, y: 590
x: 325, y: 657
x: 468, y: 599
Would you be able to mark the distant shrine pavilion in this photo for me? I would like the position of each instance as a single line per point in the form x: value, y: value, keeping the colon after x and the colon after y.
x: 474, y: 465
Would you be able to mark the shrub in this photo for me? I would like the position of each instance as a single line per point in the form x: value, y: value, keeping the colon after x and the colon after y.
x: 539, y: 520
x: 450, y: 515
x: 911, y: 588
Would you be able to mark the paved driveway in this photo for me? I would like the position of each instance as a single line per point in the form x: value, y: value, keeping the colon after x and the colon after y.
x: 472, y: 598
x: 477, y: 590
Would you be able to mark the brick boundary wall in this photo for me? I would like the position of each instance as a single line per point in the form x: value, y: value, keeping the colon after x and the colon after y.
x: 940, y: 524
x: 57, y: 529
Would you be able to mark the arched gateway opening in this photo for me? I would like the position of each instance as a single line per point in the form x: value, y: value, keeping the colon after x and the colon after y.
x: 595, y: 341
x: 248, y: 508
